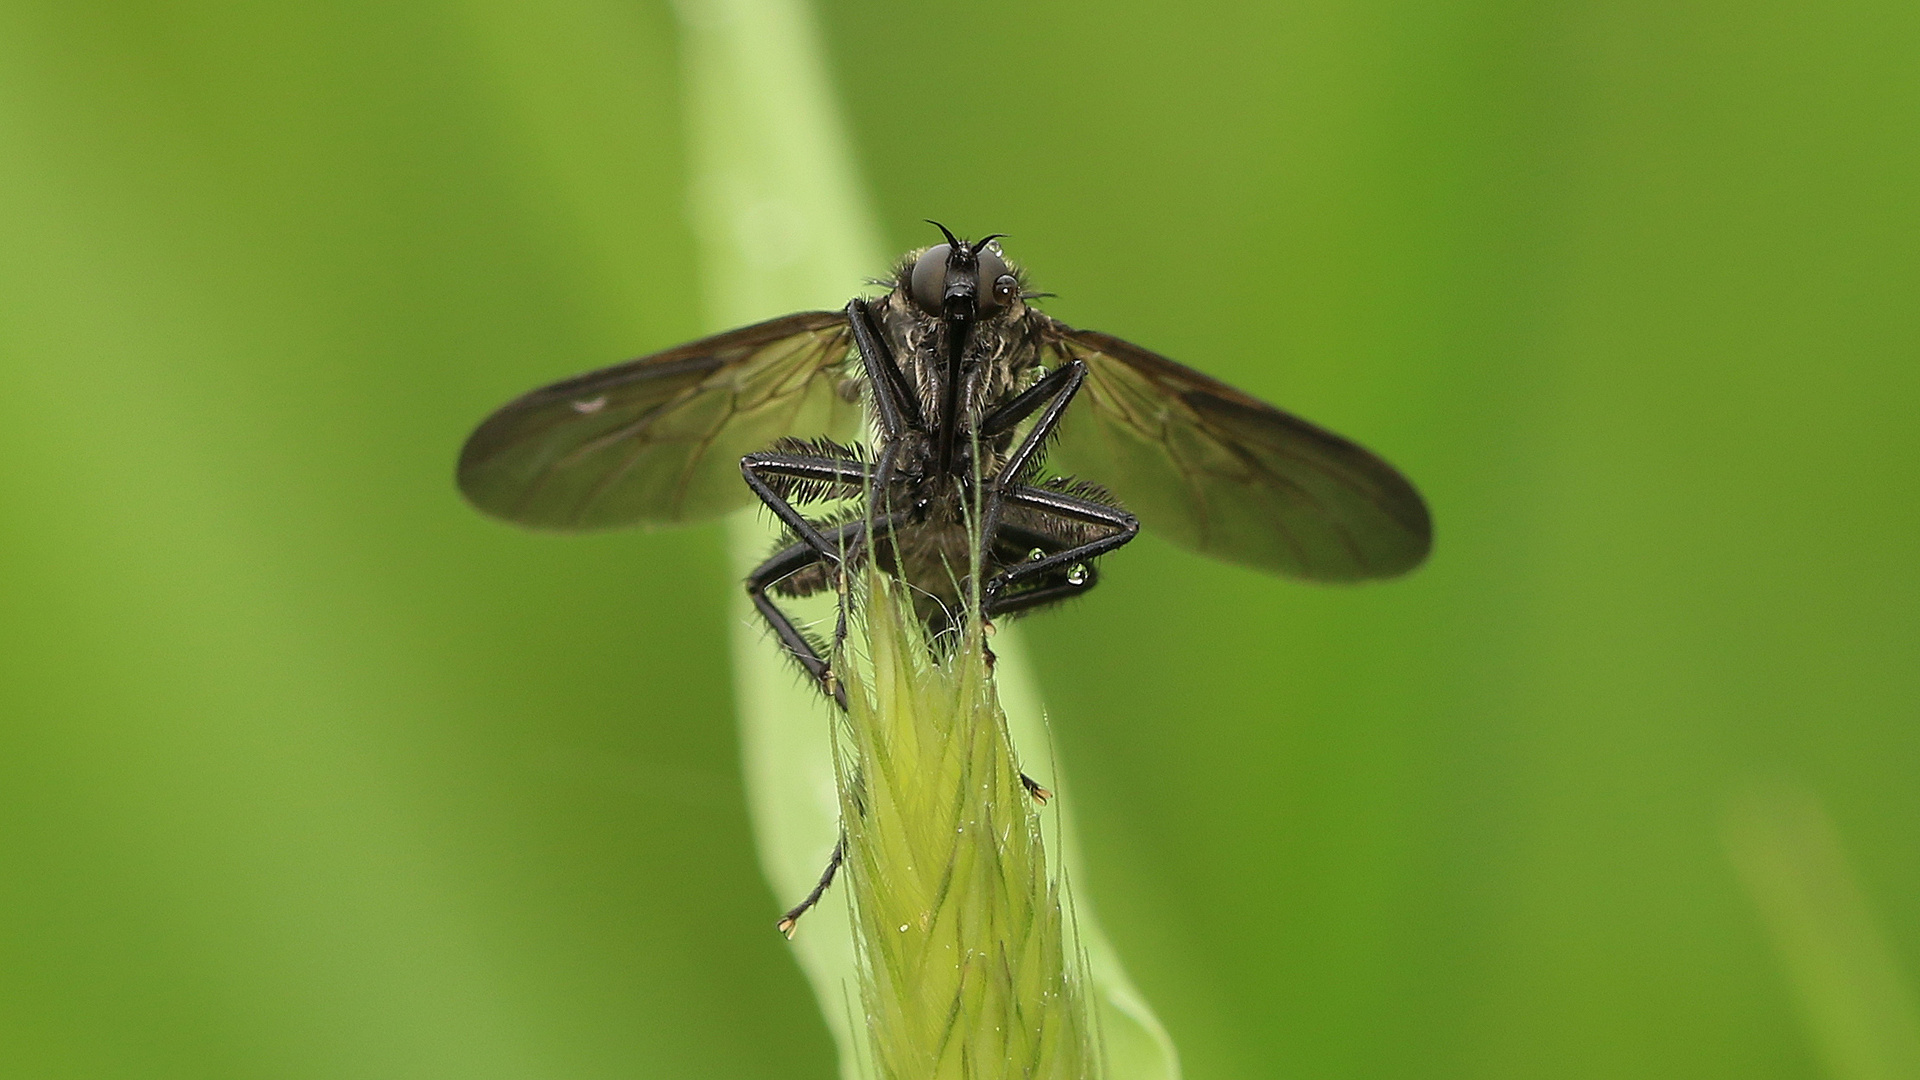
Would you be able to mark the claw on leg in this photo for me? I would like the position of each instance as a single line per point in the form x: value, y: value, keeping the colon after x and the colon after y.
x: 1040, y: 794
x: 791, y: 920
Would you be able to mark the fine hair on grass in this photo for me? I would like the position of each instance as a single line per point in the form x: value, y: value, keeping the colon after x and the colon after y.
x: 969, y: 963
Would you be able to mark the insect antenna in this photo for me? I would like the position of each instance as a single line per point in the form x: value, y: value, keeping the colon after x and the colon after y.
x: 944, y: 231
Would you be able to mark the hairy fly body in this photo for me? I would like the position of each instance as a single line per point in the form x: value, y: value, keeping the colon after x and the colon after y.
x: 961, y: 407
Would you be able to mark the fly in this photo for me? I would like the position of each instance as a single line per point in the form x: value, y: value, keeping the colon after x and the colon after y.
x: 982, y: 409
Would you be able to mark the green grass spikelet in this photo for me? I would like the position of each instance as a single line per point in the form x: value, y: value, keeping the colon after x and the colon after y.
x: 968, y: 966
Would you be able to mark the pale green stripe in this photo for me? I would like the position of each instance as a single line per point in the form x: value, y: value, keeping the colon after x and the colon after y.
x: 1859, y: 1009
x: 781, y: 225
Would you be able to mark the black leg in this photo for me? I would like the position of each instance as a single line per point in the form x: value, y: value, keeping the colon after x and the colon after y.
x: 1121, y: 527
x: 790, y: 921
x: 1016, y: 543
x: 821, y: 475
x: 784, y: 564
x: 1059, y: 586
x: 1056, y: 390
x: 895, y: 404
x: 1008, y: 415
x: 842, y: 542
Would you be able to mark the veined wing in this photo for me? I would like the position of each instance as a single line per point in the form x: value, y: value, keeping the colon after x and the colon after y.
x: 658, y: 440
x: 1228, y: 475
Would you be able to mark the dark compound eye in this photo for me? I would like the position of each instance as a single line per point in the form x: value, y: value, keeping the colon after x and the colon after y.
x: 928, y: 281
x: 993, y: 268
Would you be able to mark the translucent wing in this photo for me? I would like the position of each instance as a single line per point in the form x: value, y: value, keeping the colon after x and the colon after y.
x: 1230, y: 476
x: 658, y: 440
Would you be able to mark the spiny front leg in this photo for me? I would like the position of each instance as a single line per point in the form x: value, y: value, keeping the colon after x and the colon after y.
x: 780, y: 479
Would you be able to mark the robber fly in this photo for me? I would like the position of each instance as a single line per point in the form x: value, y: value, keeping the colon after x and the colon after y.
x: 976, y: 402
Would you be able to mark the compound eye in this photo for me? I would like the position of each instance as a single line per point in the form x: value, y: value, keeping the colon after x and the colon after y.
x: 993, y: 269
x: 1005, y: 288
x: 928, y: 282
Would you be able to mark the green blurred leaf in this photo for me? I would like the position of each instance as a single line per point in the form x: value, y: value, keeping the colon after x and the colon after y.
x: 308, y: 770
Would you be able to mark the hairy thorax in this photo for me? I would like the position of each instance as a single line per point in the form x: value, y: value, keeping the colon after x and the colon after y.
x: 935, y: 511
x: 1002, y: 355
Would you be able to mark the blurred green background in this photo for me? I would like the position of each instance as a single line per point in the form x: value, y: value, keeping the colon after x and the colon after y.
x: 308, y: 771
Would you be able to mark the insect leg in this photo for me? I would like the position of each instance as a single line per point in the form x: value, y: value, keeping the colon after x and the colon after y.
x: 1009, y: 414
x: 784, y: 564
x: 788, y: 922
x: 791, y: 560
x: 809, y: 469
x: 1059, y: 584
x: 894, y: 402
x: 1047, y: 592
x: 1121, y: 527
x: 1056, y: 390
